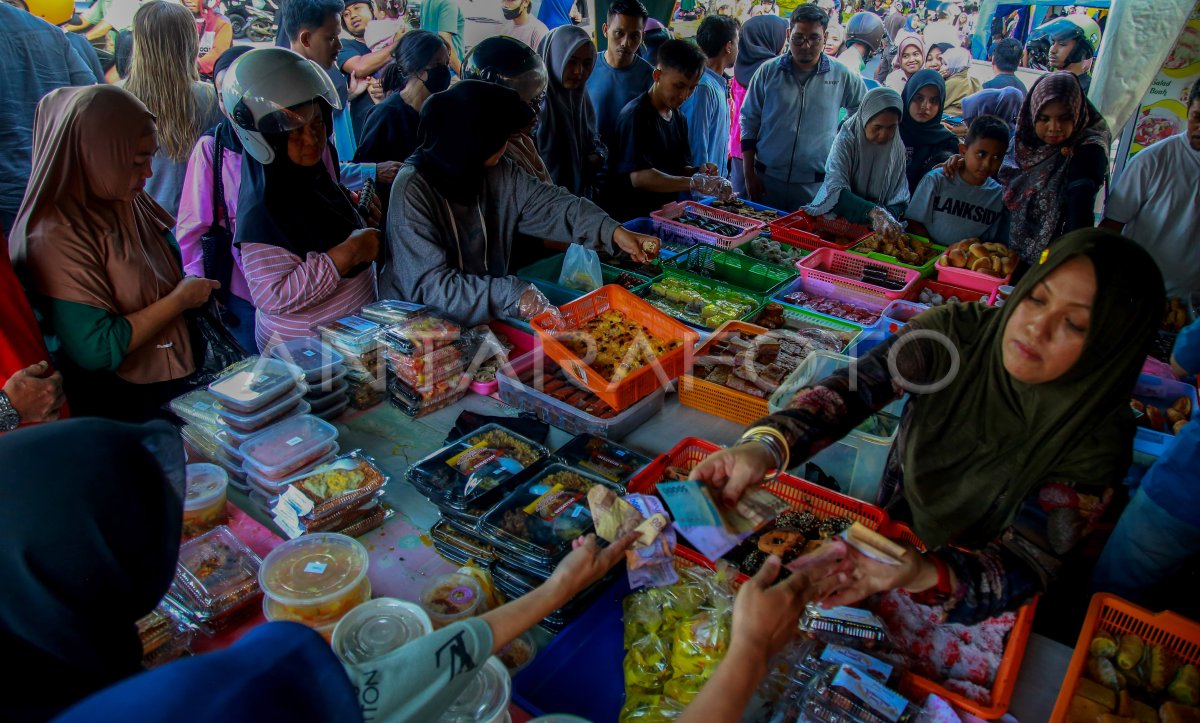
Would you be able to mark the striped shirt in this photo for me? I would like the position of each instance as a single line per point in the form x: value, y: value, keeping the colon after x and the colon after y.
x: 293, y: 295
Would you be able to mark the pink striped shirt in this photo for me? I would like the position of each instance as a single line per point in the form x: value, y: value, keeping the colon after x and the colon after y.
x: 293, y: 295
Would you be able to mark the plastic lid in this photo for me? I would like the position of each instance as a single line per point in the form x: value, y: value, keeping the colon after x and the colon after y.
x: 313, y: 569
x: 205, y: 483
x: 285, y: 406
x: 288, y: 446
x: 196, y: 407
x: 254, y: 383
x: 452, y: 597
x: 351, y: 333
x: 486, y: 697
x: 230, y: 446
x: 313, y: 356
x: 602, y: 458
x: 486, y: 458
x: 274, y: 486
x: 378, y: 627
x: 335, y: 379
x: 217, y: 570
x: 334, y: 411
x: 391, y: 311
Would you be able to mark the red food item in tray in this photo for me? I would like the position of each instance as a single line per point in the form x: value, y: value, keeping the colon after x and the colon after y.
x: 833, y: 307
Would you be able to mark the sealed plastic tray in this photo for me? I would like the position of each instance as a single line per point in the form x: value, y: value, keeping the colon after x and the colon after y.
x: 352, y: 334
x: 417, y: 406
x: 315, y: 358
x: 541, y: 518
x: 459, y: 546
x: 274, y: 487
x: 346, y: 481
x: 218, y: 572
x: 201, y: 438
x: 482, y: 460
x: 642, y: 381
x: 745, y: 272
x: 253, y: 383
x: 421, y: 335
x: 602, y: 458
x: 286, y: 406
x: 288, y: 446
x: 536, y: 384
x: 196, y: 407
x: 391, y: 311
x: 668, y: 225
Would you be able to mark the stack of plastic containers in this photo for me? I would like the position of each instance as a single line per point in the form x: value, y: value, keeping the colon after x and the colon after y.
x: 324, y: 374
x: 216, y: 578
x: 204, y: 501
x: 428, y: 361
x: 315, y: 580
x: 356, y: 339
x: 343, y: 495
x: 391, y: 311
x: 165, y: 635
x: 285, y: 450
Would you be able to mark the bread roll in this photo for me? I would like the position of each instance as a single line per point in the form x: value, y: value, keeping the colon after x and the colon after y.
x: 978, y: 251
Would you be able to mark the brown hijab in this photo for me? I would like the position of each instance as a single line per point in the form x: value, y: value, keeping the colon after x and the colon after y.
x: 77, y: 239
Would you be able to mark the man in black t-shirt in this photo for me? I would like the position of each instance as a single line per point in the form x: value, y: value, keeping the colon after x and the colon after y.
x: 653, y: 158
x: 357, y: 61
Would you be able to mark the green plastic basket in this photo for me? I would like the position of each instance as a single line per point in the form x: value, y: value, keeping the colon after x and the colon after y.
x: 544, y: 275
x: 796, y: 318
x: 926, y: 269
x: 744, y: 249
x: 647, y: 293
x: 746, y: 272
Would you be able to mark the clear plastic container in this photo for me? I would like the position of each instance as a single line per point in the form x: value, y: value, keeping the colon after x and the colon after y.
x: 336, y: 378
x: 518, y: 654
x: 204, y: 501
x: 428, y: 406
x: 196, y: 407
x: 347, y: 481
x: 421, y: 335
x: 451, y: 598
x: 391, y: 311
x: 324, y: 400
x: 288, y: 446
x: 275, y: 487
x: 460, y: 545
x: 485, y: 699
x: 602, y: 458
x: 315, y: 358
x: 316, y: 579
x: 335, y: 411
x: 253, y: 383
x: 275, y: 612
x: 378, y: 627
x: 230, y: 447
x: 484, y: 460
x: 543, y: 516
x: 367, y: 395
x: 351, y: 334
x: 217, y: 572
x: 286, y: 406
x: 202, y: 440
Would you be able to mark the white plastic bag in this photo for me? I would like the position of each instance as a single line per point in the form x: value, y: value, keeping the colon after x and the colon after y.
x: 581, y: 269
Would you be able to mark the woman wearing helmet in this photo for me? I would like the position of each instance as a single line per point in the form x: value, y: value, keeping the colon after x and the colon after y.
x: 306, y: 253
x: 506, y: 61
x: 458, y: 203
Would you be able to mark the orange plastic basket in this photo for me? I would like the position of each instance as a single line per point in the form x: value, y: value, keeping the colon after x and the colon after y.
x: 816, y: 232
x: 1010, y: 663
x: 1172, y: 631
x: 642, y: 382
x: 717, y: 399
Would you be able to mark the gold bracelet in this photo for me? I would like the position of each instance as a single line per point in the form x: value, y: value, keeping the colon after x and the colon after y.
x: 776, y: 436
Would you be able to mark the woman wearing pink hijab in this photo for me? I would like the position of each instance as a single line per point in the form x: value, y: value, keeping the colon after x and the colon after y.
x: 910, y: 57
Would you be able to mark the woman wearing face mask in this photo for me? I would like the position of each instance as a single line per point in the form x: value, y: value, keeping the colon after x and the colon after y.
x: 1057, y: 363
x: 97, y: 256
x: 926, y: 141
x: 305, y: 252
x: 956, y: 69
x: 457, y: 203
x: 421, y: 68
x: 567, y: 139
x: 910, y: 57
x: 864, y: 176
x: 762, y: 37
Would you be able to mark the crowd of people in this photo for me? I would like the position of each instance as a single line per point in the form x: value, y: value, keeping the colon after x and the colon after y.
x: 155, y: 178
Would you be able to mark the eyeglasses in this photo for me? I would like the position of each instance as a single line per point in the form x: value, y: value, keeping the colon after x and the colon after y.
x: 802, y: 40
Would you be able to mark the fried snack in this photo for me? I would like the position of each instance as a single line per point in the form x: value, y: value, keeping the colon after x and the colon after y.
x: 993, y: 259
x: 906, y: 249
x: 621, y: 346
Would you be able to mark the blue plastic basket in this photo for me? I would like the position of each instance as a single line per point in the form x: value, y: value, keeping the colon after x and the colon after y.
x: 670, y: 247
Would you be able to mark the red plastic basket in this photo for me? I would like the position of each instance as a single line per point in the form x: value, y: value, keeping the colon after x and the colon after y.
x: 946, y: 290
x: 816, y: 232
x: 829, y: 271
x: 664, y: 222
x: 642, y: 382
x: 1179, y: 635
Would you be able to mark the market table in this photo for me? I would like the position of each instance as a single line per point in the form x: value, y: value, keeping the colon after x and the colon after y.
x: 403, y: 560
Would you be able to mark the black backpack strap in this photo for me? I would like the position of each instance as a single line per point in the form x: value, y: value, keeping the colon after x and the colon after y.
x: 219, y: 209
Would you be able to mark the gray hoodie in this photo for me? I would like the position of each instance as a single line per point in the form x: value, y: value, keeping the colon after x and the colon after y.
x: 455, y: 257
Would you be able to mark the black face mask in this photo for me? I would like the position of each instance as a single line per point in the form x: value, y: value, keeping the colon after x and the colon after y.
x: 512, y: 14
x: 437, y: 78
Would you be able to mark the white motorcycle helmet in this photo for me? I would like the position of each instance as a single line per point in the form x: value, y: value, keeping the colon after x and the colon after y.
x: 262, y: 93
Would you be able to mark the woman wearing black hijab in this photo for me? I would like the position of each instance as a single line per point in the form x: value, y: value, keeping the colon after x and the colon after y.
x: 927, y: 143
x: 420, y: 68
x: 92, y: 512
x: 457, y: 203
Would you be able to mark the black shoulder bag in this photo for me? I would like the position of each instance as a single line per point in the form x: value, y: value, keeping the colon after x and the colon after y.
x: 216, y: 244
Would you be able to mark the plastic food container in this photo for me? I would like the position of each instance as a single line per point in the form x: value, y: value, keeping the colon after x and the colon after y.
x: 334, y: 411
x: 602, y: 458
x: 324, y: 400
x: 353, y: 335
x: 485, y: 699
x: 459, y: 545
x: 196, y: 407
x: 286, y: 406
x: 518, y: 654
x: 275, y: 487
x: 201, y: 440
x: 543, y: 516
x: 344, y: 482
x: 366, y: 395
x: 204, y: 501
x: 217, y: 573
x: 418, y: 407
x: 335, y: 379
x: 316, y: 579
x: 451, y: 598
x: 391, y: 311
x: 288, y: 446
x: 484, y: 460
x: 422, y: 335
x: 312, y: 356
x: 254, y: 383
x: 377, y: 628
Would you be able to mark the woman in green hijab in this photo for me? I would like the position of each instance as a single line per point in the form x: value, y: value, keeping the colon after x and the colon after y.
x: 1017, y: 428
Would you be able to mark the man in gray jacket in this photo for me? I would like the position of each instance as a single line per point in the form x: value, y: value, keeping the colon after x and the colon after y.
x: 791, y: 112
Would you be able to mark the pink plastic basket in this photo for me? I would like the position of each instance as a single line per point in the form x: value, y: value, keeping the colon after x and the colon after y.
x: 665, y: 223
x: 827, y: 271
x: 968, y: 279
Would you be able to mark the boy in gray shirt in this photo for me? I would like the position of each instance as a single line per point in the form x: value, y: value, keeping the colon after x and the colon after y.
x: 971, y: 204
